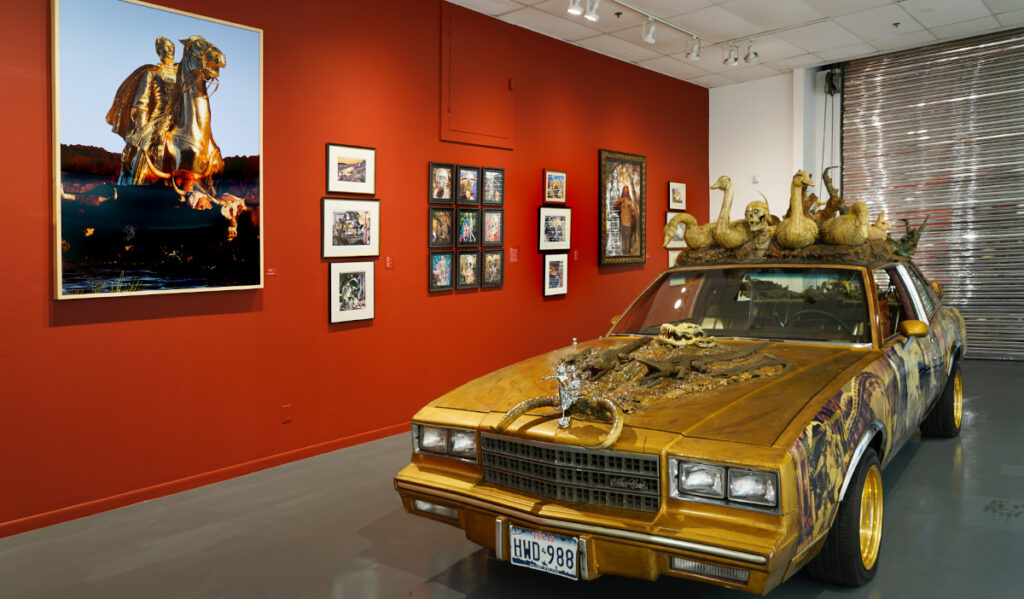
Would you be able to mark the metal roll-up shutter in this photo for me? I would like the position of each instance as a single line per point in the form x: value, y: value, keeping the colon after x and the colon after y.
x: 939, y: 131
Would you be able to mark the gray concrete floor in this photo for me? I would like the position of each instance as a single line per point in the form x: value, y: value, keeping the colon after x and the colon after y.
x: 332, y: 526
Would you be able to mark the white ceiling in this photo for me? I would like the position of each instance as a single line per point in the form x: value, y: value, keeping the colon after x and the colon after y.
x: 787, y: 34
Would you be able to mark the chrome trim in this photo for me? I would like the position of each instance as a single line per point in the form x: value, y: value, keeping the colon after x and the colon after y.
x: 499, y: 539
x: 875, y: 428
x: 581, y: 559
x: 908, y: 284
x: 615, y: 533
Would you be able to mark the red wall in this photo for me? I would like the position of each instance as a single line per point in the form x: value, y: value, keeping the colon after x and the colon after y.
x: 113, y: 400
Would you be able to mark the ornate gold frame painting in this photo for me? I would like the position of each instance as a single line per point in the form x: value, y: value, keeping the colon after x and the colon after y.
x: 623, y: 208
x: 157, y: 151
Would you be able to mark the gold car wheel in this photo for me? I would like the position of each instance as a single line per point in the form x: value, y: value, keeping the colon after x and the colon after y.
x: 871, y: 517
x: 958, y: 399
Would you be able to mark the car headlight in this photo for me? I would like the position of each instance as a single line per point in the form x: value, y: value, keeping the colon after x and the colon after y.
x: 702, y: 479
x: 753, y: 486
x: 452, y: 442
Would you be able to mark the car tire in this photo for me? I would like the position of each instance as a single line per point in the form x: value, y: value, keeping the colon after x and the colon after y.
x: 947, y: 413
x: 849, y: 555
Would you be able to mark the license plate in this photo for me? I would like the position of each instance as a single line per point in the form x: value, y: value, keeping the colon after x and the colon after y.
x: 544, y: 551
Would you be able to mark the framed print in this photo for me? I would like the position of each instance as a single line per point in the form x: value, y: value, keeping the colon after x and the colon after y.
x: 494, y: 186
x: 350, y: 228
x: 673, y: 255
x: 440, y: 232
x: 555, y: 228
x: 493, y: 268
x: 676, y: 196
x: 556, y: 274
x: 468, y: 184
x: 622, y: 212
x: 554, y: 187
x: 468, y: 275
x: 468, y: 227
x: 493, y: 224
x: 351, y: 169
x: 351, y: 291
x: 441, y: 271
x: 677, y: 241
x: 137, y: 209
x: 439, y: 183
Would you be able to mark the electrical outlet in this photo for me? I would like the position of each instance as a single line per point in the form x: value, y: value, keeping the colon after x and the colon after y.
x: 286, y: 413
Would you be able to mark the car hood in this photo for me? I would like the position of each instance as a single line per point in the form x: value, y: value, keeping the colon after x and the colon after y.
x: 756, y: 411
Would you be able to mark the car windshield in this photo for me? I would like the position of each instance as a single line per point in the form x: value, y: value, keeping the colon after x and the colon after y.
x: 800, y: 304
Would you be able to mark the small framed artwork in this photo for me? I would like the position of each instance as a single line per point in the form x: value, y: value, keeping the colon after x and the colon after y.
x: 468, y: 275
x: 493, y: 268
x: 494, y: 186
x: 556, y: 274
x: 467, y: 227
x: 493, y: 224
x: 351, y: 169
x: 554, y: 187
x: 351, y: 291
x: 677, y: 241
x: 676, y: 196
x: 350, y: 228
x: 622, y: 208
x: 440, y: 271
x: 555, y: 228
x: 468, y: 187
x: 439, y: 183
x: 440, y: 232
x: 673, y: 255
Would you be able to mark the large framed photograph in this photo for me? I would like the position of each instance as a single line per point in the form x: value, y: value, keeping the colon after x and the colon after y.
x: 677, y: 242
x: 676, y: 196
x: 441, y: 271
x: 468, y: 227
x: 439, y: 183
x: 351, y: 169
x: 351, y: 291
x: 157, y: 186
x: 554, y: 186
x: 556, y: 274
x: 440, y: 228
x: 468, y: 191
x: 468, y: 275
x: 493, y: 224
x: 555, y: 228
x: 493, y: 268
x: 622, y: 211
x: 351, y: 228
x: 494, y: 186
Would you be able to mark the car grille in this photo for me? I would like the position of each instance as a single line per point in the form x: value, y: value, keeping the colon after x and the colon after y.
x: 630, y: 481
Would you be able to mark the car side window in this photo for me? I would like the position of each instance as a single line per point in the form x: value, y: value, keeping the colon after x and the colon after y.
x: 924, y: 290
x: 894, y: 301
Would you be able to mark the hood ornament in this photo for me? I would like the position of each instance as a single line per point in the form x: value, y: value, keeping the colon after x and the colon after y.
x: 568, y: 391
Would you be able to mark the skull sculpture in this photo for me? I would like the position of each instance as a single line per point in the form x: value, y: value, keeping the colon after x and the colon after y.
x: 684, y: 334
x: 757, y: 216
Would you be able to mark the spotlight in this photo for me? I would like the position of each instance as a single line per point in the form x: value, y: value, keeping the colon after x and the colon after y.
x: 732, y: 60
x: 751, y: 56
x: 591, y: 14
x: 694, y: 53
x: 575, y: 7
x: 649, y: 31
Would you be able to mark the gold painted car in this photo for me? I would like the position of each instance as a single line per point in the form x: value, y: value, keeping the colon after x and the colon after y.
x: 730, y: 428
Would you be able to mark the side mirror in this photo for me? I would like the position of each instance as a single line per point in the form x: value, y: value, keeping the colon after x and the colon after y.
x: 937, y: 288
x: 913, y: 328
x: 616, y: 319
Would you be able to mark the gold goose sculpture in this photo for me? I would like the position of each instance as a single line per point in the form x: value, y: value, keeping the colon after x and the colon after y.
x: 847, y: 229
x: 880, y: 230
x: 797, y: 231
x: 696, y: 236
x: 729, y: 234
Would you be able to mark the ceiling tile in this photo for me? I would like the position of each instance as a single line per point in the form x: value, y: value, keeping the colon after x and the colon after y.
x: 966, y: 28
x: 670, y: 66
x: 1001, y: 6
x: 618, y: 48
x: 1009, y: 19
x: 542, y: 22
x: 490, y: 7
x: 774, y: 14
x: 607, y: 22
x: 666, y: 39
x: 796, y: 62
x: 757, y: 71
x: 935, y: 13
x: 820, y: 36
x: 903, y: 42
x: 834, y: 8
x: 877, y: 23
x: 670, y: 8
x: 716, y: 24
x: 713, y: 81
x: 847, y: 52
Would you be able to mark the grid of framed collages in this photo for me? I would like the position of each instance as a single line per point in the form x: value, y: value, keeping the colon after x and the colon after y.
x: 465, y: 226
x: 554, y: 234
